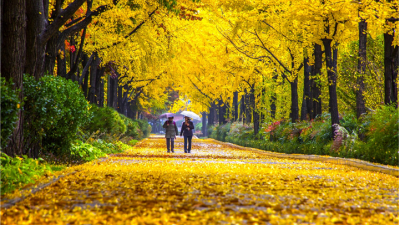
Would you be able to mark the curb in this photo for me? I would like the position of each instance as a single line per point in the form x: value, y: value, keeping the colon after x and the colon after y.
x: 360, y: 164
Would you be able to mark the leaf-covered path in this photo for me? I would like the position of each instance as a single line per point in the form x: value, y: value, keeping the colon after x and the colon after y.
x: 214, y: 184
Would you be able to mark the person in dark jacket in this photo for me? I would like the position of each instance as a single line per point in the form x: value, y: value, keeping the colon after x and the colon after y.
x: 170, y: 130
x: 187, y: 130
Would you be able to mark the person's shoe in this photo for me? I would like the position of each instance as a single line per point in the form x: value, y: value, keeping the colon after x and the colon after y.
x: 189, y: 151
x: 168, y: 151
x: 172, y: 151
x: 185, y: 151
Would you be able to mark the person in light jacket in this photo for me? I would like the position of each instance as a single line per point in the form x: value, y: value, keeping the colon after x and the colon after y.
x: 187, y: 130
x: 171, y: 131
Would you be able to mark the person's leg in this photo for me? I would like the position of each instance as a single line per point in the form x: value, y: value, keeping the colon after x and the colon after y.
x: 190, y: 143
x: 168, y: 144
x: 172, y: 144
x: 185, y: 143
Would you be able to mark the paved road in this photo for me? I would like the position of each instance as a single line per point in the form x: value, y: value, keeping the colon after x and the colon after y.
x: 215, y: 184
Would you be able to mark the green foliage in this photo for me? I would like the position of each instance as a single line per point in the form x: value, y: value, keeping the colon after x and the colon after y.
x: 132, y: 142
x: 9, y: 110
x: 54, y: 109
x: 132, y: 127
x: 105, y: 147
x: 315, y: 137
x: 198, y: 126
x: 383, y: 136
x: 106, y: 120
x: 16, y: 172
x: 145, y: 127
x: 220, y: 132
x: 86, y: 152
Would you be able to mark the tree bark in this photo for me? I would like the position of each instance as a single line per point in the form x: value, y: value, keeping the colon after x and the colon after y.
x: 235, y: 105
x: 204, y: 124
x: 331, y: 67
x: 124, y: 105
x: 85, y: 85
x: 211, y: 115
x: 99, y: 83
x: 221, y: 112
x: 362, y: 59
x: 61, y: 62
x: 93, y: 76
x: 119, y: 99
x: 306, y: 105
x: 35, y: 48
x: 294, y: 109
x: 390, y: 70
x: 114, y: 94
x: 315, y: 87
x: 13, y: 55
x: 247, y: 108
x: 256, y: 116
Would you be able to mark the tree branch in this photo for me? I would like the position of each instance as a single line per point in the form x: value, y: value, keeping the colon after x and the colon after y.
x: 84, y: 71
x: 78, y: 57
x: 264, y: 47
x: 130, y: 33
x: 60, y: 20
x: 140, y: 89
x: 81, y: 25
x: 200, y: 90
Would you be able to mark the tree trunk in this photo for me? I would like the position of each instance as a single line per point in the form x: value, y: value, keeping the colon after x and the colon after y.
x: 98, y: 92
x: 294, y: 109
x: 52, y: 48
x: 124, y: 96
x: 119, y: 99
x: 247, y: 108
x: 256, y: 116
x: 204, y: 124
x: 331, y: 67
x: 51, y: 55
x: 13, y: 53
x: 221, y: 112
x: 315, y: 87
x: 35, y: 49
x: 235, y: 105
x: 93, y: 76
x: 114, y: 94
x: 61, y: 62
x: 85, y: 84
x: 72, y: 57
x: 101, y: 90
x: 362, y: 59
x: 211, y: 115
x: 390, y: 70
x: 306, y: 105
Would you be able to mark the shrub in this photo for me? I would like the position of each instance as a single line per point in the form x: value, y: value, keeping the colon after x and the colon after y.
x: 16, y: 172
x: 132, y: 142
x: 383, y: 136
x: 86, y: 152
x: 105, y: 147
x: 106, y: 120
x: 145, y: 127
x: 54, y: 109
x: 132, y: 127
x: 10, y: 105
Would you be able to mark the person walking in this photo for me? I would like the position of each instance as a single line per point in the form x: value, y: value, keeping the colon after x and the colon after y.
x: 187, y: 130
x: 171, y: 131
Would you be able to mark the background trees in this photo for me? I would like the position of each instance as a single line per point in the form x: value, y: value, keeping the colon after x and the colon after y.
x: 252, y: 61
